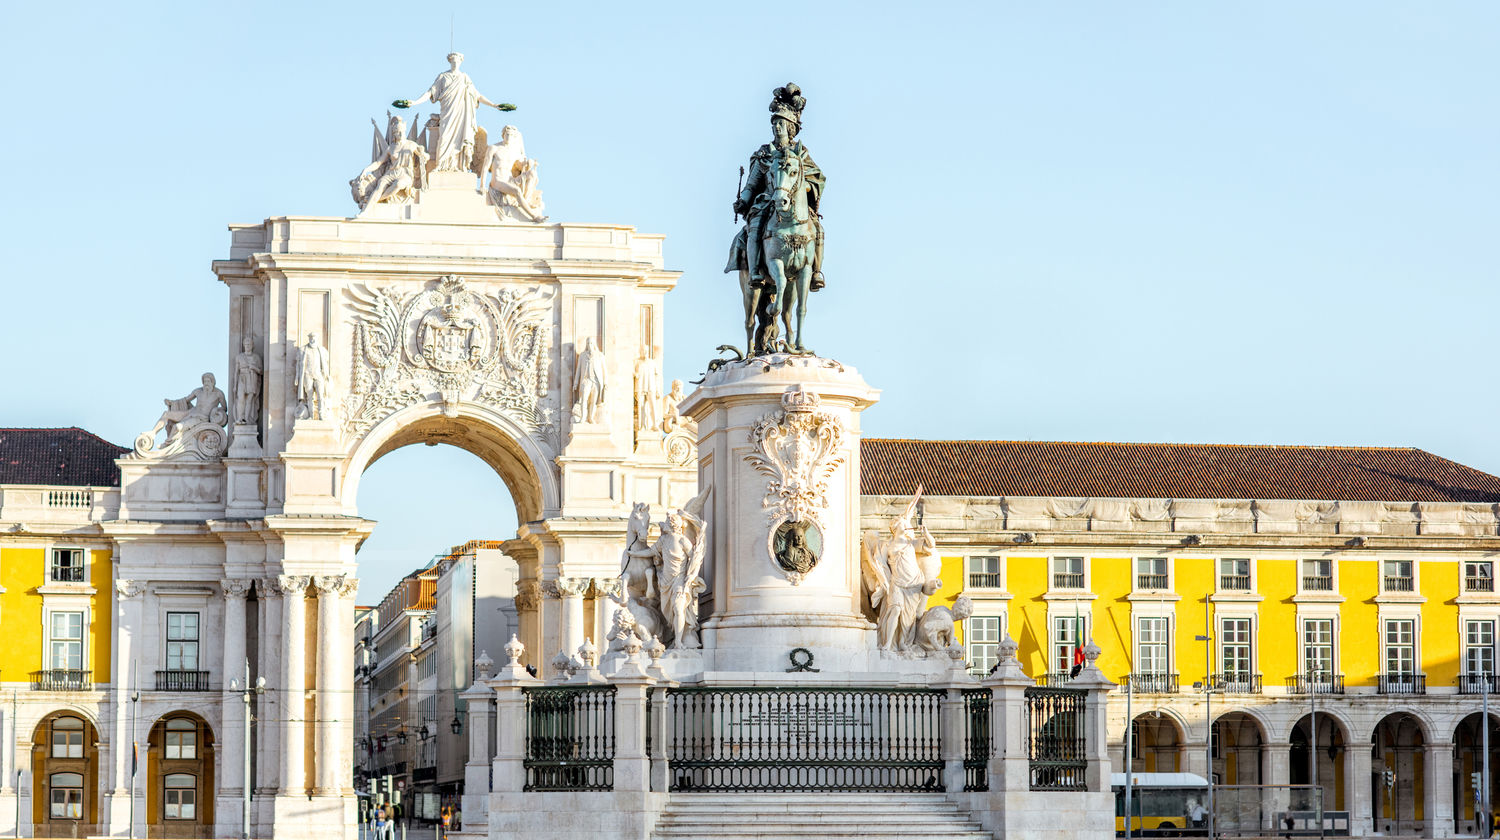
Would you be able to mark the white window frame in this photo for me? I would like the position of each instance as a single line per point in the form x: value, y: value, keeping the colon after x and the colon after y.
x: 1416, y: 583
x: 196, y: 641
x: 1333, y: 575
x: 83, y: 554
x: 1135, y: 576
x: 1465, y: 646
x: 1416, y: 643
x: 999, y: 572
x: 1052, y: 573
x: 1303, y: 646
x: 1219, y: 573
x: 1463, y: 572
x: 1166, y: 644
x: 83, y: 638
x: 1253, y: 652
x: 969, y: 640
x: 1061, y: 665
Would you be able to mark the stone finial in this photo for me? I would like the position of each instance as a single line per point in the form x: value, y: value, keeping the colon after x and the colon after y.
x: 655, y: 649
x: 562, y: 665
x: 514, y: 650
x: 1091, y: 653
x: 1007, y: 650
x: 588, y: 653
x: 484, y: 665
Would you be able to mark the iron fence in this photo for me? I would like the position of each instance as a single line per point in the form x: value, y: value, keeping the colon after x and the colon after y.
x: 745, y: 738
x: 1054, y: 680
x: 978, y: 743
x: 570, y: 738
x: 1152, y: 683
x: 1236, y: 682
x: 1056, y: 738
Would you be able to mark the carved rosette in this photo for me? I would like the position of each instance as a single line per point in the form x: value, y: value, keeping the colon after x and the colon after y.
x: 680, y: 447
x: 451, y: 344
x: 797, y: 448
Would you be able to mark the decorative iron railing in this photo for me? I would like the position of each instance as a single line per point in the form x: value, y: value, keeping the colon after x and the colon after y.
x: 744, y: 738
x: 1477, y: 684
x: 1234, y: 583
x: 978, y: 743
x: 1056, y: 739
x: 1150, y: 581
x: 1479, y: 584
x: 1317, y: 583
x: 1236, y: 682
x: 1054, y: 680
x: 62, y: 679
x: 1395, y: 583
x: 984, y: 580
x: 1067, y: 580
x: 182, y: 681
x: 1319, y: 682
x: 1401, y: 683
x: 570, y: 738
x: 1152, y: 683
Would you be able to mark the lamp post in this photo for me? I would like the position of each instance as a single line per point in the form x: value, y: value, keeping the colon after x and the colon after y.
x: 245, y: 694
x: 135, y: 702
x: 1484, y: 776
x: 1208, y: 709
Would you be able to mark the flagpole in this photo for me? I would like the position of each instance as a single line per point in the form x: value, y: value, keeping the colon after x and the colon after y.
x: 135, y: 702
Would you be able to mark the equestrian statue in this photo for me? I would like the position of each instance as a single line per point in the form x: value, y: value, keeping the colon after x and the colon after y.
x: 779, y: 251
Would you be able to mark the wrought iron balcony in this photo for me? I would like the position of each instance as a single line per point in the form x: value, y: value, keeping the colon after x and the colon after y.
x: 1235, y: 683
x: 1152, y: 683
x: 1479, y: 584
x: 1478, y: 684
x: 1235, y: 583
x: 1150, y: 581
x: 1401, y: 683
x: 984, y: 580
x: 1067, y: 580
x: 1319, y: 682
x: 62, y: 679
x: 1317, y: 583
x: 182, y: 681
x: 1399, y: 584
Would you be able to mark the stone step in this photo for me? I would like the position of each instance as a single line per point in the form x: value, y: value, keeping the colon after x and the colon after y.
x: 814, y: 816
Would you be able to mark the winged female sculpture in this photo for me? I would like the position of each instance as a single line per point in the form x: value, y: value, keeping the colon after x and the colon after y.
x: 900, y: 571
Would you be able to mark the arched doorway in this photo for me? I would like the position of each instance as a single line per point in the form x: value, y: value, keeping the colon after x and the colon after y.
x: 1398, y: 747
x: 1238, y: 745
x: 1156, y: 744
x: 180, y: 777
x: 1468, y: 759
x: 65, y: 773
x: 1329, y: 754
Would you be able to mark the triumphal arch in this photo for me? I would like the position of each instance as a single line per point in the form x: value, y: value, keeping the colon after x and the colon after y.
x: 447, y: 309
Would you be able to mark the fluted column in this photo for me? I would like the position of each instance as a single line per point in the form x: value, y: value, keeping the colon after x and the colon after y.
x: 570, y: 590
x: 608, y: 597
x: 232, y: 738
x: 335, y: 678
x: 293, y: 686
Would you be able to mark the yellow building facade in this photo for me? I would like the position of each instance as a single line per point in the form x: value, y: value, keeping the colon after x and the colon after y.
x: 1257, y: 588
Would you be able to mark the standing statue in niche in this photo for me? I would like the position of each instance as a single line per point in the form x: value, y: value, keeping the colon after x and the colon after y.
x: 513, y: 187
x: 312, y: 379
x: 638, y: 571
x: 247, y: 371
x: 900, y: 571
x: 588, y: 383
x: 647, y: 395
x: 779, y: 251
x: 458, y: 101
x: 397, y: 170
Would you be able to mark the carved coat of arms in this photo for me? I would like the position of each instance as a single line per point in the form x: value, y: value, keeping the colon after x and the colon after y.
x: 451, y: 343
x: 798, y: 448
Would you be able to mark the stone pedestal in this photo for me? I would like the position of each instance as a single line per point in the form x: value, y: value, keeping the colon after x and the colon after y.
x: 778, y: 441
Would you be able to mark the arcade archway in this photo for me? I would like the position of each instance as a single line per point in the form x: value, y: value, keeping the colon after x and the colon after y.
x: 1329, y: 754
x: 65, y: 773
x: 1398, y: 745
x: 1239, y: 742
x: 1156, y: 744
x: 1468, y: 759
x: 179, y: 773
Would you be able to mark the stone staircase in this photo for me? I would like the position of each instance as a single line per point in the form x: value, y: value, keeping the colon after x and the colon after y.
x: 733, y: 816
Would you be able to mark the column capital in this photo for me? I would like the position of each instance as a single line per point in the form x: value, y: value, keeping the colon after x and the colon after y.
x: 567, y: 587
x: 291, y: 584
x: 610, y: 587
x: 336, y: 586
x: 234, y: 588
x: 528, y: 595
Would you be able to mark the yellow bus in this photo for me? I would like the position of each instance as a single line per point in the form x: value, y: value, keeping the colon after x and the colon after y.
x: 1162, y: 804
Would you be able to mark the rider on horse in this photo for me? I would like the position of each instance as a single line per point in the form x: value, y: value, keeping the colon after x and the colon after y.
x: 754, y: 200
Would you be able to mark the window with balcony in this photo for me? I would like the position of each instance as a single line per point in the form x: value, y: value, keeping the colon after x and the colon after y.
x: 66, y: 566
x: 1401, y: 676
x: 1398, y: 576
x: 1153, y: 671
x: 1318, y: 668
x: 1479, y: 576
x: 984, y: 572
x: 1237, y: 657
x: 65, y: 643
x: 1317, y: 575
x: 1151, y: 573
x: 1068, y: 633
x: 1234, y: 574
x: 1479, y: 657
x: 982, y: 636
x: 1067, y: 573
x: 182, y: 641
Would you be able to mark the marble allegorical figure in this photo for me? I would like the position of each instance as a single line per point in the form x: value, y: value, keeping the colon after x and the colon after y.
x: 247, y: 374
x: 458, y: 102
x: 638, y: 572
x: 671, y: 417
x: 935, y: 627
x: 512, y: 189
x: 647, y: 394
x: 779, y: 251
x: 312, y: 376
x: 193, y: 425
x: 588, y: 383
x: 900, y: 569
x: 397, y: 170
x: 678, y: 556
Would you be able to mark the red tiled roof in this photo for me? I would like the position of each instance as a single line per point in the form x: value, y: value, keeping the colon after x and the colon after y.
x: 1167, y: 470
x: 70, y: 457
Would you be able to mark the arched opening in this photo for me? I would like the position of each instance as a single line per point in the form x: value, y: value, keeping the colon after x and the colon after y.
x: 1397, y: 763
x: 65, y: 774
x: 1320, y: 761
x: 1156, y: 744
x: 1237, y: 748
x: 180, y: 777
x: 438, y: 580
x: 1468, y: 760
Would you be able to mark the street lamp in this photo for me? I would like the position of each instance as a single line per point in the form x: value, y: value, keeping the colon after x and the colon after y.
x: 1208, y: 710
x: 245, y: 694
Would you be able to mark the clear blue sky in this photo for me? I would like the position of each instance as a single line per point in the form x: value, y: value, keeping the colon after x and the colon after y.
x: 1268, y: 222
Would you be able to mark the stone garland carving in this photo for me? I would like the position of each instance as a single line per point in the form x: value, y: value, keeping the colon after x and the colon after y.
x: 798, y: 448
x: 129, y: 588
x: 900, y: 570
x: 567, y: 587
x: 453, y: 343
x: 193, y: 427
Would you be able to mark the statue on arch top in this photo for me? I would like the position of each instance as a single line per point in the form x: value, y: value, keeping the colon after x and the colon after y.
x: 458, y: 101
x: 779, y: 251
x: 397, y: 170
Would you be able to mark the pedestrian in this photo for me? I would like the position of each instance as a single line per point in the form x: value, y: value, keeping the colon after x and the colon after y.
x: 381, y: 820
x: 1198, y: 815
